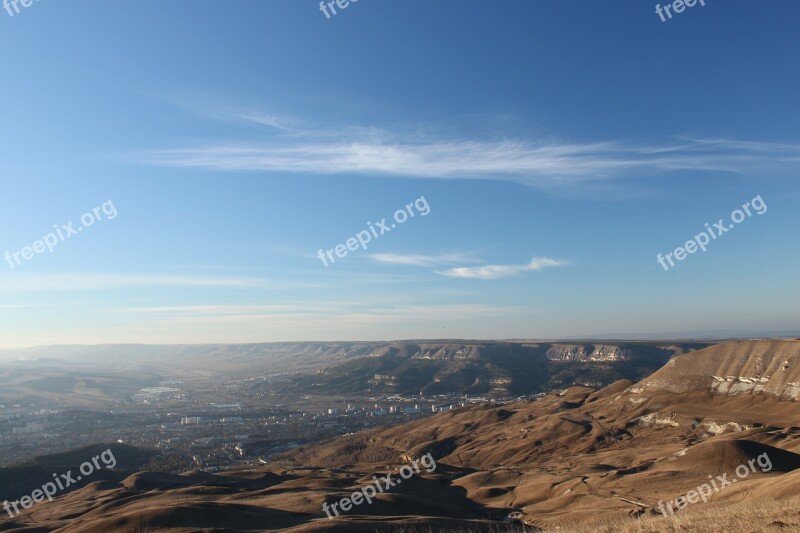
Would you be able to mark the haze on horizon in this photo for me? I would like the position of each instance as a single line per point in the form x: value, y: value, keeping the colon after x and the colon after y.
x: 544, y: 155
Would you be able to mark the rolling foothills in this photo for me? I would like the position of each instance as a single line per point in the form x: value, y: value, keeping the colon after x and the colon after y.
x: 632, y: 455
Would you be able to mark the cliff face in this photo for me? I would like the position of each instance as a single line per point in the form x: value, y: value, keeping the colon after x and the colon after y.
x: 576, y: 353
x: 447, y: 351
x: 588, y: 352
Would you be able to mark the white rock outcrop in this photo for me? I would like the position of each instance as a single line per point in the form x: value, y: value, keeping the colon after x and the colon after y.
x: 735, y: 385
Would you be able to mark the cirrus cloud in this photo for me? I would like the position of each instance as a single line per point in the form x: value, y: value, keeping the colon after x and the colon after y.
x: 420, y: 259
x: 501, y: 271
x: 535, y: 162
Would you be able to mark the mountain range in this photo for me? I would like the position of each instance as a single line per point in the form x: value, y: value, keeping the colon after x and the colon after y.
x: 618, y: 458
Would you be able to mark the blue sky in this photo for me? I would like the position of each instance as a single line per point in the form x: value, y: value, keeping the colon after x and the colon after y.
x: 560, y: 146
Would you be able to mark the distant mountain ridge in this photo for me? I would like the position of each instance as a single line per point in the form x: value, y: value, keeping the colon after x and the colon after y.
x: 407, y: 367
x: 499, y: 368
x: 267, y: 357
x: 330, y: 352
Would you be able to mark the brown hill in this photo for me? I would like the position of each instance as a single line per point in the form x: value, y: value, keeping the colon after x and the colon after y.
x: 745, y: 367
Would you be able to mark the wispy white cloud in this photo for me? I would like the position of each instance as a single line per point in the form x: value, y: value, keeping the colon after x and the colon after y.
x: 263, y: 119
x: 421, y: 260
x: 377, y: 318
x: 501, y: 271
x: 534, y: 162
x: 220, y: 310
x: 92, y: 281
x: 310, y: 316
x: 298, y: 130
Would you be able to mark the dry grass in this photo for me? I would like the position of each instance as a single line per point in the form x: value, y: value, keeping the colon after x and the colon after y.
x: 746, y: 517
x: 490, y: 528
